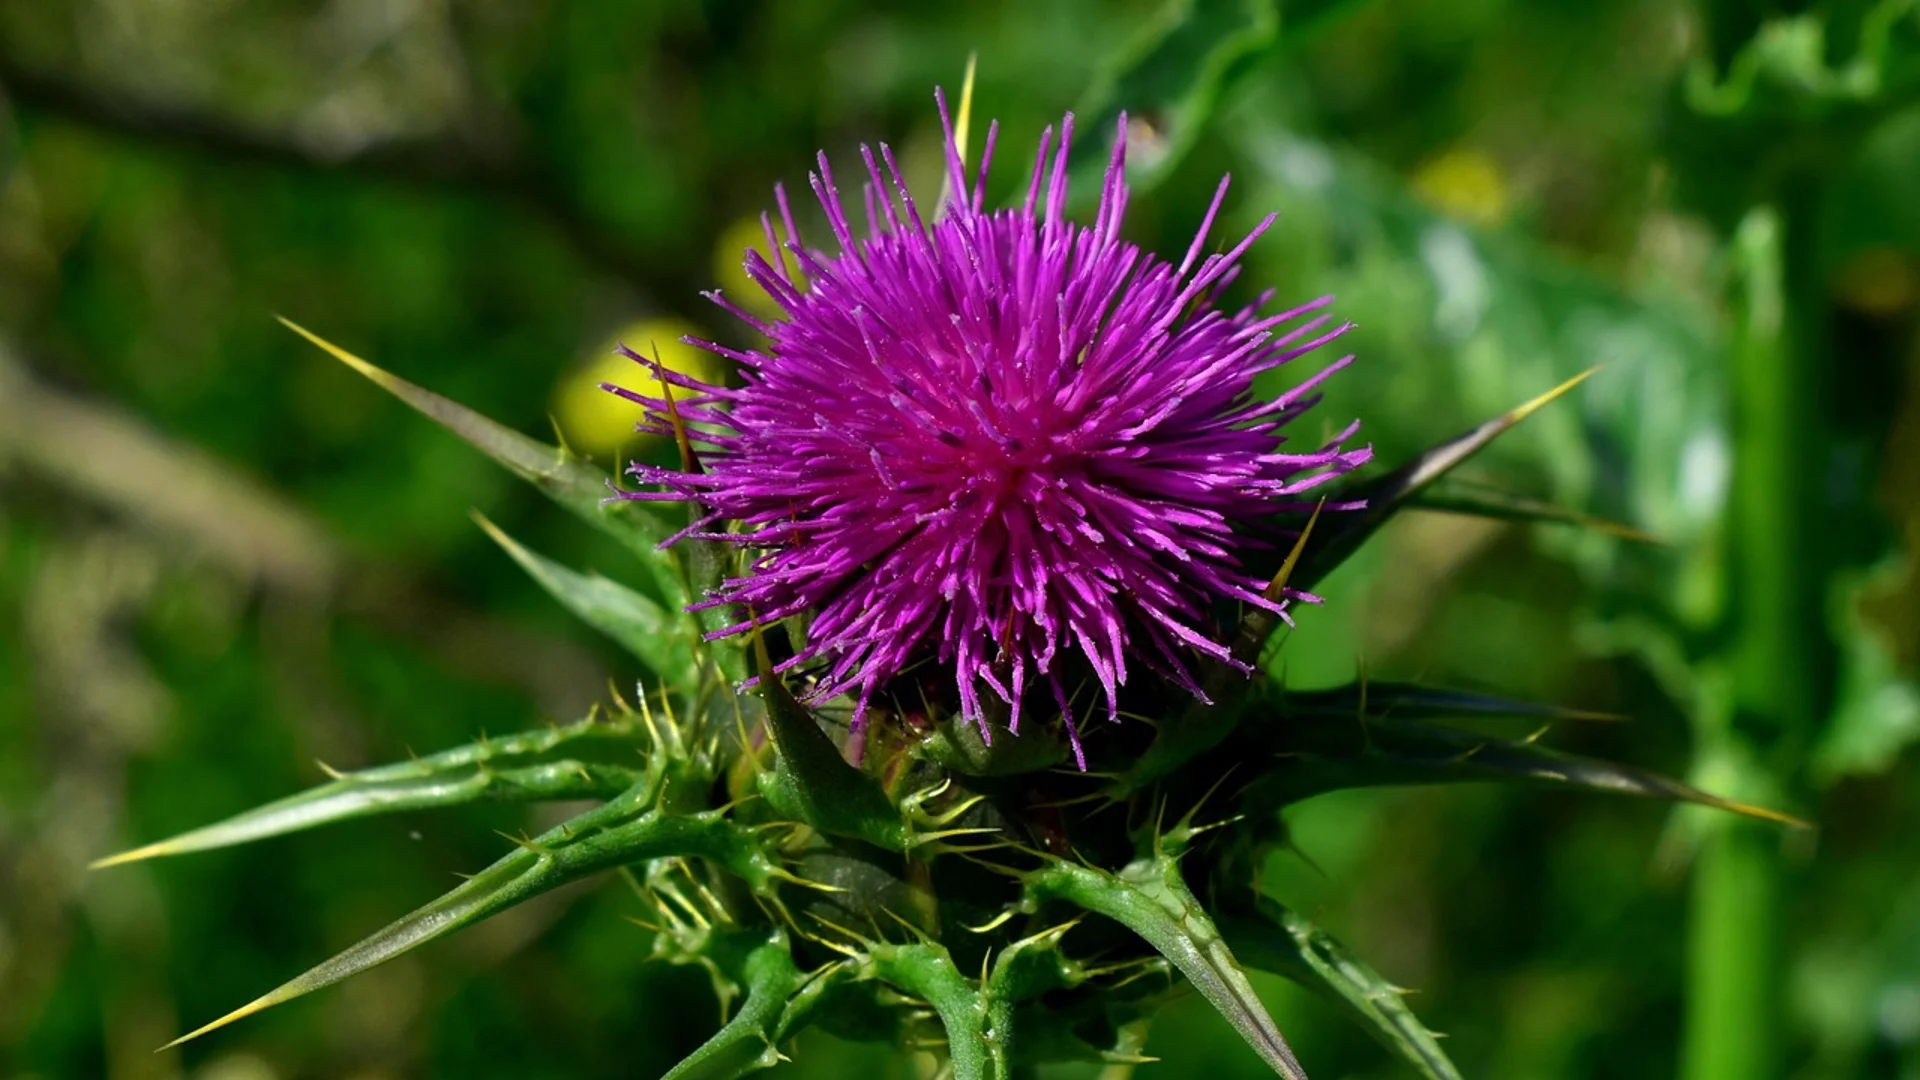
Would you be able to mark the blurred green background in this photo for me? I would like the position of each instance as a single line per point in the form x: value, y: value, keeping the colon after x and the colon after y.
x: 224, y: 557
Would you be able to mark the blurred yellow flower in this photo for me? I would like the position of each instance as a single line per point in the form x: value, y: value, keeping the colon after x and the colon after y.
x: 1465, y: 184
x: 729, y: 264
x: 1880, y: 281
x: 599, y: 424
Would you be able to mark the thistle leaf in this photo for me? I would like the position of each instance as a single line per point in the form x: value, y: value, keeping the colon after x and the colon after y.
x: 1284, y: 942
x: 811, y: 780
x: 520, y: 767
x: 1324, y: 754
x: 574, y: 484
x: 748, y: 1042
x: 1150, y: 898
x: 1387, y: 495
x: 656, y: 637
x: 625, y: 830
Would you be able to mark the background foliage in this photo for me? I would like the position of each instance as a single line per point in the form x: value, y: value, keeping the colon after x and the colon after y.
x: 223, y: 556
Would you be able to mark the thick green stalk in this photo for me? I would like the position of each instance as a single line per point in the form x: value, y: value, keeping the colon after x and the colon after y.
x: 1734, y: 1016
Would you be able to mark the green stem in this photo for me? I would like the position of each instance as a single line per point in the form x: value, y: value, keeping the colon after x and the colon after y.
x: 1734, y: 1016
x: 927, y: 972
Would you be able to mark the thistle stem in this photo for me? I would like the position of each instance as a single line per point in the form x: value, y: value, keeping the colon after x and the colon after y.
x: 1776, y: 645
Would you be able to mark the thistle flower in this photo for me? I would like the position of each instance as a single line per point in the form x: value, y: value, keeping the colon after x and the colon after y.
x: 996, y: 439
x: 1012, y: 449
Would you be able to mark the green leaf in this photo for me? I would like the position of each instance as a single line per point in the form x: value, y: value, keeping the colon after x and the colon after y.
x: 1321, y: 754
x: 811, y: 780
x: 748, y: 1042
x: 516, y: 768
x: 1170, y: 77
x: 1150, y: 898
x: 1387, y: 495
x: 1876, y: 712
x: 574, y: 484
x: 1284, y: 942
x: 628, y: 829
x: 658, y: 638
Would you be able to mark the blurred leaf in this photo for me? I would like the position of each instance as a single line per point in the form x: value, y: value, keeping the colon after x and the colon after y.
x: 567, y: 480
x: 1168, y: 79
x: 1466, y: 319
x: 516, y: 768
x: 625, y: 830
x: 1784, y: 69
x: 1150, y: 898
x: 663, y: 641
x: 1877, y: 714
x: 1322, y: 755
x: 1284, y: 942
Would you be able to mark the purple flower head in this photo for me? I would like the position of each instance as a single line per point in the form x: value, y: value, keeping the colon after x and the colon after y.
x: 996, y: 439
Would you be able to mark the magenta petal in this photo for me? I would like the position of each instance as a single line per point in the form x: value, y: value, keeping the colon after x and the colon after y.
x: 988, y: 438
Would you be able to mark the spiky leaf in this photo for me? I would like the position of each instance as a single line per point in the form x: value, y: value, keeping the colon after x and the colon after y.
x: 709, y: 562
x: 625, y: 830
x: 522, y: 767
x: 1284, y: 942
x: 658, y: 638
x: 1412, y: 701
x: 1495, y: 505
x: 1321, y: 754
x: 1387, y: 495
x: 566, y: 479
x: 1150, y: 898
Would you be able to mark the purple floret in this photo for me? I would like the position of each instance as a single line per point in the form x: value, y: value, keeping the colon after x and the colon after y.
x: 996, y: 438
